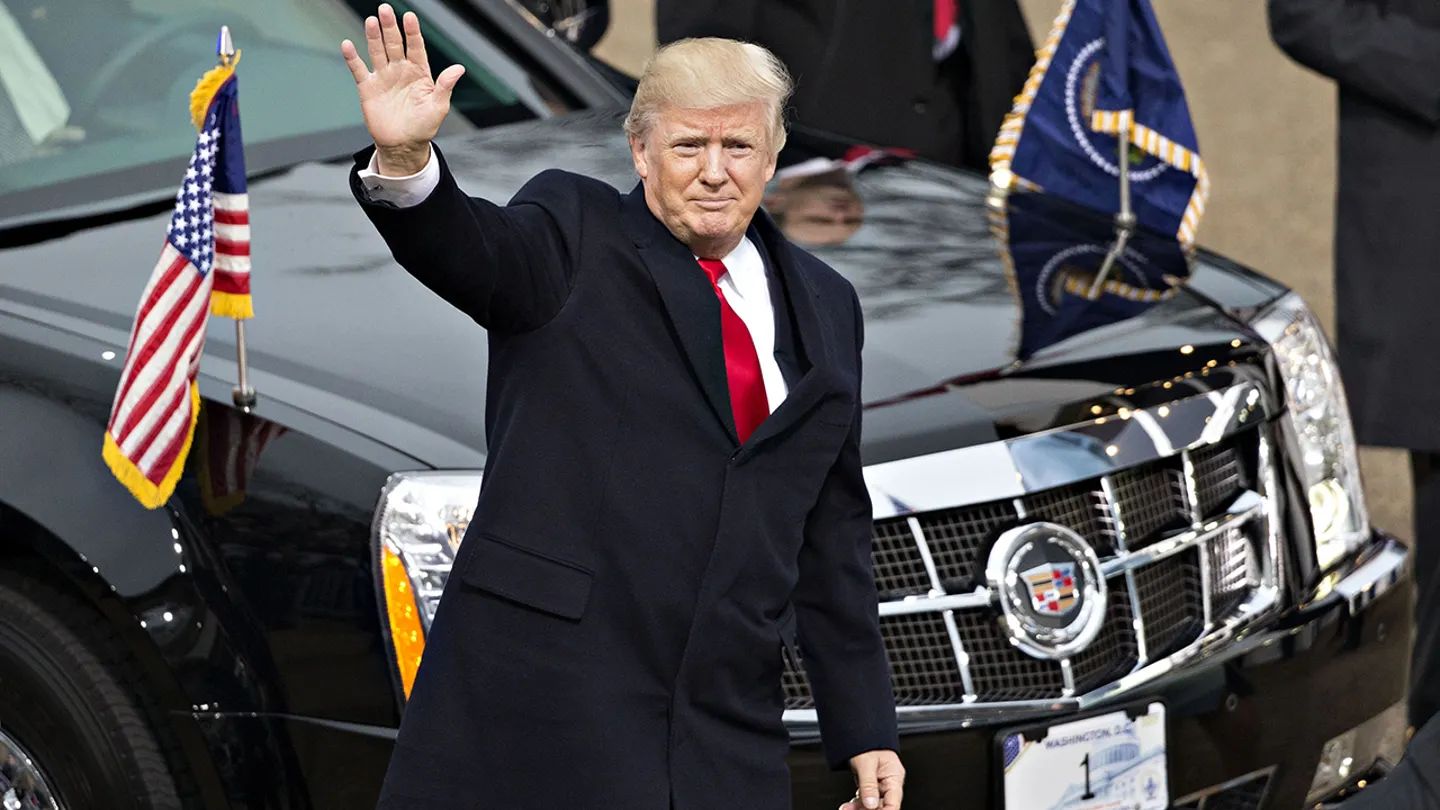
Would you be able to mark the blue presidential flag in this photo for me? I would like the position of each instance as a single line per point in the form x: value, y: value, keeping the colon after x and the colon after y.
x: 1053, y: 255
x: 1104, y: 72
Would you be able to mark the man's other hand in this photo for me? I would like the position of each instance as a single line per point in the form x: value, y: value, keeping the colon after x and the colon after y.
x: 879, y: 781
x: 402, y: 105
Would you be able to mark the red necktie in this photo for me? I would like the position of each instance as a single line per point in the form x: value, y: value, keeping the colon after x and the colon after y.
x: 944, y: 19
x: 742, y: 364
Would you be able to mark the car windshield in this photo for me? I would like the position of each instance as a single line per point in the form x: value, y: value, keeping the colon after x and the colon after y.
x: 94, y: 94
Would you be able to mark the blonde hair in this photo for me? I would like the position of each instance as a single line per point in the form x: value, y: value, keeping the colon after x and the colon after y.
x: 707, y: 72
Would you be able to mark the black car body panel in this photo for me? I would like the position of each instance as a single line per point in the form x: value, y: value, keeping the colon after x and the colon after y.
x: 250, y: 599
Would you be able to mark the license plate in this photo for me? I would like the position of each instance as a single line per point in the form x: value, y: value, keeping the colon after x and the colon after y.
x: 1112, y: 761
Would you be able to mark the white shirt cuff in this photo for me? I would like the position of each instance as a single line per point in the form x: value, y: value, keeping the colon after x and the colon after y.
x: 402, y: 192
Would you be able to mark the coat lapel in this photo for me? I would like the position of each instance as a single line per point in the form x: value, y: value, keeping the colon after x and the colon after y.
x: 811, y: 322
x: 689, y: 301
x: 695, y: 315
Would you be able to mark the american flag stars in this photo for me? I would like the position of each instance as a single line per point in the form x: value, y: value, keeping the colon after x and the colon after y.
x: 191, y: 228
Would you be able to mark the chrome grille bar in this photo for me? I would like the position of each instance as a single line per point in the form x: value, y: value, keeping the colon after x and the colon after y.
x: 1192, y: 497
x: 1067, y: 672
x: 1142, y: 654
x: 937, y: 588
x: 978, y: 598
x: 925, y: 557
x: 1246, y: 508
x: 967, y: 681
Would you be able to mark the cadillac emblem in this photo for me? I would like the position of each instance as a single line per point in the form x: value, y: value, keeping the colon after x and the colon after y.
x: 1050, y: 588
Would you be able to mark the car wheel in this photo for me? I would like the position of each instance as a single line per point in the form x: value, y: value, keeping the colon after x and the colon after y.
x: 72, y: 734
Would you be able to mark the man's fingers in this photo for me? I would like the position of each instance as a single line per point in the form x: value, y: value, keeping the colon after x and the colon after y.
x: 354, y: 62
x: 374, y: 44
x: 390, y: 33
x: 415, y: 43
x: 892, y: 792
x: 869, y: 786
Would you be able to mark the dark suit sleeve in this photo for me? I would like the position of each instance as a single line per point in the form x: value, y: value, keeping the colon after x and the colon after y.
x: 1381, y: 54
x: 508, y: 267
x: 835, y: 603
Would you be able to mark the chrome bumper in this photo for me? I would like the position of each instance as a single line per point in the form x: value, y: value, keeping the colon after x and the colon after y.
x: 1380, y: 570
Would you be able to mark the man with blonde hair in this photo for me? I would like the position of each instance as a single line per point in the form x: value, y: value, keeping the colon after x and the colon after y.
x: 673, y: 487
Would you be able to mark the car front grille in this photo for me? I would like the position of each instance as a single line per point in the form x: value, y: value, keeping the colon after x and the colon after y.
x: 1183, y: 541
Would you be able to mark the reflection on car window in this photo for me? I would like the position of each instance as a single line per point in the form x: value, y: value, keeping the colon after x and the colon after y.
x: 96, y: 87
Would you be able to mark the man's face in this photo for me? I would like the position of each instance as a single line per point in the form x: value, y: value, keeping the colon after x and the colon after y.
x: 705, y: 172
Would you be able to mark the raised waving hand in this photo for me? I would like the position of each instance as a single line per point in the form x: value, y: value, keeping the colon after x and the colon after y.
x: 402, y: 105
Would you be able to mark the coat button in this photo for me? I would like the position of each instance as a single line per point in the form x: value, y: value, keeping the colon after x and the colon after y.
x: 920, y: 106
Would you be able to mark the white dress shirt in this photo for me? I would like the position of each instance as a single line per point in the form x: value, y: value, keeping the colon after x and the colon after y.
x: 745, y: 284
x: 747, y: 289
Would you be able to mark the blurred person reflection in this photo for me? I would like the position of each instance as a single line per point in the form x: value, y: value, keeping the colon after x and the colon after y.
x: 817, y: 209
x: 813, y: 197
x: 935, y: 76
x: 1384, y: 56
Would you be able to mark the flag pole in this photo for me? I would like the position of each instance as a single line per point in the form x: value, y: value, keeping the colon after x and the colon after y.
x: 1124, y: 219
x: 242, y: 394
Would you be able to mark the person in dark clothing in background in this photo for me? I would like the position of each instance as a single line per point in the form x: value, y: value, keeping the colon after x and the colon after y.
x: 1415, y: 782
x: 1385, y: 57
x: 934, y: 76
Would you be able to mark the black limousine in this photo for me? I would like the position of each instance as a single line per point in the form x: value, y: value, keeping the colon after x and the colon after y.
x: 1120, y: 542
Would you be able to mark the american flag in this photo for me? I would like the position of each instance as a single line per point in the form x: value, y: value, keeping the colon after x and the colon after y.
x: 204, y: 266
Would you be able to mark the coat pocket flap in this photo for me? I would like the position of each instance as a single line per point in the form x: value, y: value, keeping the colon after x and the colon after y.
x: 528, y: 577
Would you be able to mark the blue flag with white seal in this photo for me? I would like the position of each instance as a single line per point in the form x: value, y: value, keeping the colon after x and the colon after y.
x: 1104, y: 72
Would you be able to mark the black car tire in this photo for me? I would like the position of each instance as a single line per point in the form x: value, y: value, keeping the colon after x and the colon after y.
x: 68, y: 697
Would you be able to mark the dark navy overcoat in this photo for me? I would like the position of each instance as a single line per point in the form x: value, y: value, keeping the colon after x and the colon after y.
x: 611, y: 634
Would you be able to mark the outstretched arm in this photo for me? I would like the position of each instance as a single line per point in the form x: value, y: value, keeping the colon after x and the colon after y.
x: 509, y: 268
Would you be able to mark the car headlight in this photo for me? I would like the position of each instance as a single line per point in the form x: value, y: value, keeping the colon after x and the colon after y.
x: 1324, y: 435
x: 419, y: 523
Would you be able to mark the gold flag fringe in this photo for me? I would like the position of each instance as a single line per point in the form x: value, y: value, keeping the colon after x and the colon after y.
x: 1009, y: 137
x: 207, y: 87
x: 231, y: 305
x: 149, y: 494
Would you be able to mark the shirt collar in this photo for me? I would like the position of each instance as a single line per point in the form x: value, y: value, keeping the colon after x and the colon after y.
x: 746, y: 270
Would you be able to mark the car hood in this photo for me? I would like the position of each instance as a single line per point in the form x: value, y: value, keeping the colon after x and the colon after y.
x: 952, y: 354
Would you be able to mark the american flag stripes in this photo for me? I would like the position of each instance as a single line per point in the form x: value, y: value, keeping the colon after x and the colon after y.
x: 204, y: 266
